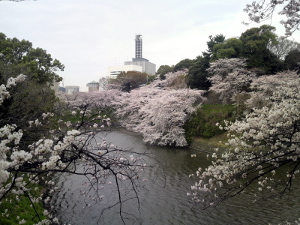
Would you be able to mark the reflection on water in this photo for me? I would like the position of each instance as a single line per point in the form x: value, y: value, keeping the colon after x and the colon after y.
x: 163, y: 199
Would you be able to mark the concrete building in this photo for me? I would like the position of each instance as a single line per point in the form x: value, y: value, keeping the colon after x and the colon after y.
x: 148, y: 67
x: 138, y: 63
x: 93, y: 86
x: 72, y: 89
x: 138, y: 46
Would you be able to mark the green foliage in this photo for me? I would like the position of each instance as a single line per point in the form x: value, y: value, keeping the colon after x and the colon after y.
x: 258, y: 38
x: 254, y: 45
x: 151, y: 79
x: 197, y: 76
x: 32, y: 97
x: 292, y: 60
x: 213, y: 40
x: 231, y: 48
x: 203, y: 121
x: 28, y: 102
x: 255, y: 49
x: 163, y: 70
x: 185, y: 63
x: 36, y: 63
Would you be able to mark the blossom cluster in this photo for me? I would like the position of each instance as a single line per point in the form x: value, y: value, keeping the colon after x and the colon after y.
x: 230, y: 78
x: 64, y: 147
x: 158, y: 111
x: 264, y: 140
x: 4, y: 93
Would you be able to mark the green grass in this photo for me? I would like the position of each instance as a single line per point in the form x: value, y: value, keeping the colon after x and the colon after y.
x: 203, y: 121
x: 217, y: 141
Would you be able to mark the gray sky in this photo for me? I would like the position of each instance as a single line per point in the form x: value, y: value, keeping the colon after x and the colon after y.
x: 87, y: 36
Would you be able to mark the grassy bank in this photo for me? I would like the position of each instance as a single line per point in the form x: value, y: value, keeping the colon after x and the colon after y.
x: 202, y: 125
x: 208, y: 144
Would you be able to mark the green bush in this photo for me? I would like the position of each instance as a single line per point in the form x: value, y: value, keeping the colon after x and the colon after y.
x: 203, y: 121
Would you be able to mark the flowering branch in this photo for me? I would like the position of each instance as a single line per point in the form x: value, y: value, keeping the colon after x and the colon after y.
x: 71, y: 147
x: 264, y: 9
x: 266, y: 139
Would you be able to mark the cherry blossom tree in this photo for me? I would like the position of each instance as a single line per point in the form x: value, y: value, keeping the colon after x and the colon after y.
x: 230, y: 78
x: 97, y: 102
x: 73, y: 144
x: 264, y: 142
x: 158, y: 111
x: 263, y: 88
x: 264, y: 9
x: 176, y: 80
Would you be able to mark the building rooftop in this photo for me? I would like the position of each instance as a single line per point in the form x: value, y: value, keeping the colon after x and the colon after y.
x: 94, y: 82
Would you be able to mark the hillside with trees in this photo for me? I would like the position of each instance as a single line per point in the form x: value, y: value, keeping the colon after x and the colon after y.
x: 264, y: 51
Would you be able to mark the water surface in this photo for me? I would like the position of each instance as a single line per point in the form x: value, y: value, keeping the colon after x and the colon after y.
x: 163, y: 199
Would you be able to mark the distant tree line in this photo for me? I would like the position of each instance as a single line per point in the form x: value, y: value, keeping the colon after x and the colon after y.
x: 264, y: 51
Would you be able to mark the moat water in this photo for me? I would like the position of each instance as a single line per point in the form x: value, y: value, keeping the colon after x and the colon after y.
x: 163, y: 198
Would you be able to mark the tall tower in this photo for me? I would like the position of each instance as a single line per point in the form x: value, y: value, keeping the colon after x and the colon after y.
x: 146, y: 66
x: 138, y: 46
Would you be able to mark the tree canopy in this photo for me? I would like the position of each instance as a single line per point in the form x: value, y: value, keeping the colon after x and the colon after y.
x: 230, y: 78
x: 197, y: 76
x: 183, y: 64
x: 163, y: 70
x: 32, y: 97
x: 292, y: 60
x: 255, y: 49
x: 230, y: 48
x: 36, y: 63
x: 254, y: 45
x: 213, y: 40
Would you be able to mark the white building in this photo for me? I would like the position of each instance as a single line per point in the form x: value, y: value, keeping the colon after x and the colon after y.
x: 113, y: 71
x: 138, y: 63
x: 72, y: 89
x: 147, y: 67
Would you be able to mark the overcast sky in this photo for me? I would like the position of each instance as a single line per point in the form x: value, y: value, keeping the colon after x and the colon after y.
x: 87, y: 36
